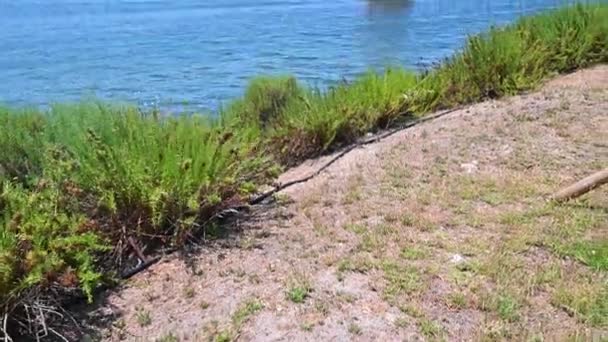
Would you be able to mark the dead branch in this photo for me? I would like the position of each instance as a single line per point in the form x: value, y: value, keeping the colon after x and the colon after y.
x: 581, y: 187
x: 144, y: 263
x: 6, y: 337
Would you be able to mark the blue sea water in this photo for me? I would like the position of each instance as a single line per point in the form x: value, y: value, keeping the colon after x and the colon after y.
x: 193, y: 55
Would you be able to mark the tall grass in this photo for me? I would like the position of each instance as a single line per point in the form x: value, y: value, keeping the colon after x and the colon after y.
x: 502, y: 61
x: 516, y: 58
x: 80, y: 179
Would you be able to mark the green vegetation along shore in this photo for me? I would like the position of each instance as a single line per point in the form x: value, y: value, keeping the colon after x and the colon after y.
x: 77, y: 181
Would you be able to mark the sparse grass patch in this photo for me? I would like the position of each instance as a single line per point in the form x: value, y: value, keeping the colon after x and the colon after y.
x: 307, y: 326
x: 249, y: 243
x: 320, y: 228
x: 357, y: 263
x: 322, y: 307
x: 399, y: 176
x: 519, y: 219
x: 371, y: 241
x: 495, y: 331
x: 189, y: 292
x: 591, y: 253
x: 417, y: 221
x: 226, y: 333
x: 354, y: 329
x: 413, y: 253
x: 429, y: 328
x: 507, y: 307
x: 245, y: 311
x: 387, y: 230
x: 477, y: 188
x: 586, y: 300
x: 223, y: 336
x: 457, y: 300
x: 170, y: 337
x: 467, y: 213
x: 143, y: 317
x: 299, y: 289
x: 401, y: 322
x: 346, y: 297
x: 411, y: 310
x: 545, y: 275
x: 354, y: 193
x: 562, y: 229
x: 298, y: 294
x: 400, y: 280
x: 470, y: 266
x: 358, y: 229
x: 204, y: 305
x: 408, y: 220
x: 493, y: 190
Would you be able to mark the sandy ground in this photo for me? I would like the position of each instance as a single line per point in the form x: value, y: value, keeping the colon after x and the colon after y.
x: 421, y: 236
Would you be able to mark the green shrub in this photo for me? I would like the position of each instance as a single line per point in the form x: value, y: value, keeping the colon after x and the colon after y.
x: 45, y: 239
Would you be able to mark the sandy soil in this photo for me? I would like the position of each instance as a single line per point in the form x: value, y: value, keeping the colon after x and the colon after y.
x: 407, y: 239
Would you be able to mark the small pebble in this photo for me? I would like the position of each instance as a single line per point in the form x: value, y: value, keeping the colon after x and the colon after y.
x: 457, y: 259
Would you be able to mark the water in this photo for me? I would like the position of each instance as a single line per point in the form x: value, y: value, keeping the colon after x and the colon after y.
x: 193, y: 55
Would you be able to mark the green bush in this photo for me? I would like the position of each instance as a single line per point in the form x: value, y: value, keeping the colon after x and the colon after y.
x: 45, y: 239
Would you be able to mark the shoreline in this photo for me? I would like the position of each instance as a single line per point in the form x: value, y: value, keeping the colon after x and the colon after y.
x: 408, y: 203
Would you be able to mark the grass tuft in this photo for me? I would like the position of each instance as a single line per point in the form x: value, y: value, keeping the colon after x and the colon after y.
x: 245, y: 311
x: 298, y: 294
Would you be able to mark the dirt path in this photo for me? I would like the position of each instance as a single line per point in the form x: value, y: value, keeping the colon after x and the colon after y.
x: 439, y: 232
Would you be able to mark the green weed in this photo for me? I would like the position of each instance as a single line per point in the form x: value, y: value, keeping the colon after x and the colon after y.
x: 401, y: 280
x: 507, y: 308
x: 413, y: 253
x: 298, y: 294
x: 591, y: 253
x: 587, y: 302
x: 430, y: 329
x: 245, y: 311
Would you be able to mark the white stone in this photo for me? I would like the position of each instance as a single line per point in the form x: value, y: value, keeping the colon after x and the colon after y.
x: 457, y: 259
x: 470, y: 167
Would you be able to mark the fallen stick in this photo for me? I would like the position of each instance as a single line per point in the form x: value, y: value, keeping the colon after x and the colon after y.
x: 581, y: 187
x: 144, y: 262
